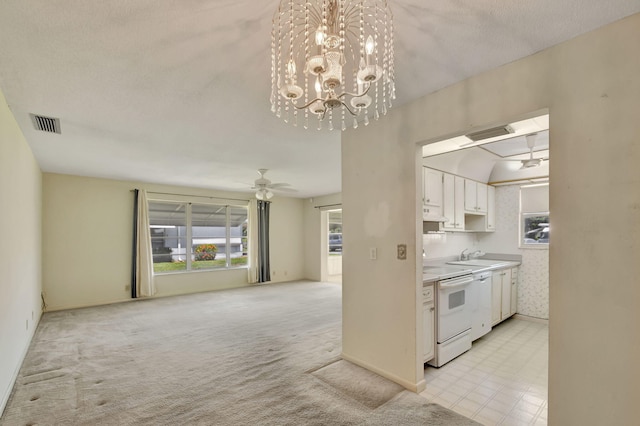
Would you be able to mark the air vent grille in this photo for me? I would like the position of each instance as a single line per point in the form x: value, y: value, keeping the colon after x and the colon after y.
x: 46, y: 124
x: 490, y: 133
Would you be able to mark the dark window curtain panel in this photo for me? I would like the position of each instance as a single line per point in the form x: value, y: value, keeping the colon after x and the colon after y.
x: 264, y: 269
x: 134, y: 250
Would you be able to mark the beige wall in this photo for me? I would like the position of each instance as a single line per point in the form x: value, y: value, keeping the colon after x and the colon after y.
x: 591, y: 87
x: 20, y: 252
x: 87, y: 234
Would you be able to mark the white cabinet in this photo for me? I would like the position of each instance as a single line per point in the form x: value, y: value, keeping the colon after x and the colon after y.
x: 432, y: 187
x: 479, y: 221
x: 504, y: 294
x: 431, y: 194
x: 453, y: 202
x: 496, y: 297
x: 475, y: 197
x: 514, y: 291
x: 428, y: 323
x: 491, y: 208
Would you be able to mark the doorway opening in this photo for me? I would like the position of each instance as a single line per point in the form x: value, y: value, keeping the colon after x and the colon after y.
x: 333, y: 248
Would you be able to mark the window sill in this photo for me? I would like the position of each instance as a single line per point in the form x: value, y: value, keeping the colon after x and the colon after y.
x: 196, y: 271
x: 534, y: 246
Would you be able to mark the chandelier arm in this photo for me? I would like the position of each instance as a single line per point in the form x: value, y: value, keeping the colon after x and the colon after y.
x: 349, y: 109
x: 306, y: 105
x: 355, y: 95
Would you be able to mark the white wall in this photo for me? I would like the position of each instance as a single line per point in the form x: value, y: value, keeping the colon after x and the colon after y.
x: 20, y: 249
x: 87, y: 234
x: 437, y: 246
x: 533, y: 286
x: 591, y: 87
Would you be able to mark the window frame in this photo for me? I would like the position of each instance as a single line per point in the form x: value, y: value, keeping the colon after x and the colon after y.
x: 523, y: 215
x: 190, y: 247
x: 536, y: 245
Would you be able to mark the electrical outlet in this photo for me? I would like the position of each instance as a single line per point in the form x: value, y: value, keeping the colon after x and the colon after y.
x: 402, y: 251
x: 373, y: 253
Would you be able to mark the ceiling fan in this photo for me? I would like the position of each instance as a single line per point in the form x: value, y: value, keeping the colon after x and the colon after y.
x: 264, y: 188
x: 530, y: 162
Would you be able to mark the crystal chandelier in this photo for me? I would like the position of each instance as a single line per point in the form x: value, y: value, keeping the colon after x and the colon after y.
x: 331, y: 60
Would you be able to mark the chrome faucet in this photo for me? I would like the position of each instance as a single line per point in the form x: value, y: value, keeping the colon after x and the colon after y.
x: 464, y: 256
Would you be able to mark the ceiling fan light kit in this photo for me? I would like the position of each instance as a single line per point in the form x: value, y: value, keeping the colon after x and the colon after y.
x: 333, y: 60
x: 264, y: 188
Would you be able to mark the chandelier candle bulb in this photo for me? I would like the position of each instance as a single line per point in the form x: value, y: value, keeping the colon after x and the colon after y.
x: 353, y: 42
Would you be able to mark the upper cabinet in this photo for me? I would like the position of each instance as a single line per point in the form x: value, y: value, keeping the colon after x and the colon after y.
x: 464, y: 204
x: 431, y: 194
x: 475, y: 197
x: 491, y: 208
x: 453, y: 203
x: 432, y: 187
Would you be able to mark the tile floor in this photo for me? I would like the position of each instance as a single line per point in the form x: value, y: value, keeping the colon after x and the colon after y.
x: 502, y: 380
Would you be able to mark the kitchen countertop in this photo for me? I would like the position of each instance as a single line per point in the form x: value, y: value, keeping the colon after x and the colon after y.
x: 440, y: 269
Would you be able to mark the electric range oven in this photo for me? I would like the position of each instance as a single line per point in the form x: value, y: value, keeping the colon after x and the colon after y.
x: 453, y: 313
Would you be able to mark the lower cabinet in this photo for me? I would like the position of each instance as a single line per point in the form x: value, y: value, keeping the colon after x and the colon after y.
x: 428, y: 323
x: 504, y: 294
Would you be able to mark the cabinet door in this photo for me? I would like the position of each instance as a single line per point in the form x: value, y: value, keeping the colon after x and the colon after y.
x: 459, y: 202
x: 428, y: 323
x: 448, y: 201
x: 506, y: 293
x: 496, y: 297
x: 491, y: 208
x: 470, y: 196
x: 432, y: 187
x: 514, y: 291
x: 481, y: 197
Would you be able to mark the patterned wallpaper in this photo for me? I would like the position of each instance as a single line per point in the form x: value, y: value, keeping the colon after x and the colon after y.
x: 533, y: 285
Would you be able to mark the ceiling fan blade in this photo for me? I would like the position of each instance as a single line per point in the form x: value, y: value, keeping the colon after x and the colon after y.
x: 284, y: 189
x: 278, y: 185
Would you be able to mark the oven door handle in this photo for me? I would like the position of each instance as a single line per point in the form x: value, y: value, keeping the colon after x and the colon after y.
x: 456, y: 283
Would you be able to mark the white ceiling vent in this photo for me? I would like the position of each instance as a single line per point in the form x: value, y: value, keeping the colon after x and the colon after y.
x: 46, y: 124
x: 490, y: 133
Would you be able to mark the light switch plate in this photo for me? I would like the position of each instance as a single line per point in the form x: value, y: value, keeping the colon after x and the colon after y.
x: 402, y: 251
x: 373, y: 253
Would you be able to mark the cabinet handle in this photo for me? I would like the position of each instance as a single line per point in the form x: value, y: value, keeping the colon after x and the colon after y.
x: 432, y: 309
x: 428, y: 200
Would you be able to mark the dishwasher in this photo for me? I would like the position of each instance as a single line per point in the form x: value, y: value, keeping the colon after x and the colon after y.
x: 480, y: 293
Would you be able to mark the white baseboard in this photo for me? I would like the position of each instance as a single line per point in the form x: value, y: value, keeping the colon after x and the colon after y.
x: 413, y: 387
x: 532, y: 319
x: 14, y: 376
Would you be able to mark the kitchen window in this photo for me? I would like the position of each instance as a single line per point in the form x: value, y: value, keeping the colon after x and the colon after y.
x: 534, y: 216
x: 192, y: 236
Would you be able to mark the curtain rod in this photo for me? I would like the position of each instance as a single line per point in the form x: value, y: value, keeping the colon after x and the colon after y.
x: 190, y: 195
x: 327, y: 205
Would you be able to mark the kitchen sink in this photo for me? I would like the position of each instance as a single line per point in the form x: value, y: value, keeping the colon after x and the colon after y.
x: 478, y: 262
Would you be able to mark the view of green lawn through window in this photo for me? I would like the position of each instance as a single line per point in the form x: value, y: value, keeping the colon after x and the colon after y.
x: 188, y: 236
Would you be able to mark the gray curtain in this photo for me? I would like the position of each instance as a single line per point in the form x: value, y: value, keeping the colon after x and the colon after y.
x: 264, y: 271
x: 142, y: 284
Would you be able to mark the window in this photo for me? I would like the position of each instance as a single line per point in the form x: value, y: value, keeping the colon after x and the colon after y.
x: 335, y: 232
x: 534, y: 214
x: 190, y: 236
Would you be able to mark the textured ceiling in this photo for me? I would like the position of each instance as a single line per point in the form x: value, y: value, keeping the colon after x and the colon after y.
x: 177, y: 92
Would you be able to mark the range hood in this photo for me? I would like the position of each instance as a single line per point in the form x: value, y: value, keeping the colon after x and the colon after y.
x: 430, y: 214
x: 431, y: 226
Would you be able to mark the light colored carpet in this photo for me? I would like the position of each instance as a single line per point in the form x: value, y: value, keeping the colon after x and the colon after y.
x: 251, y: 356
